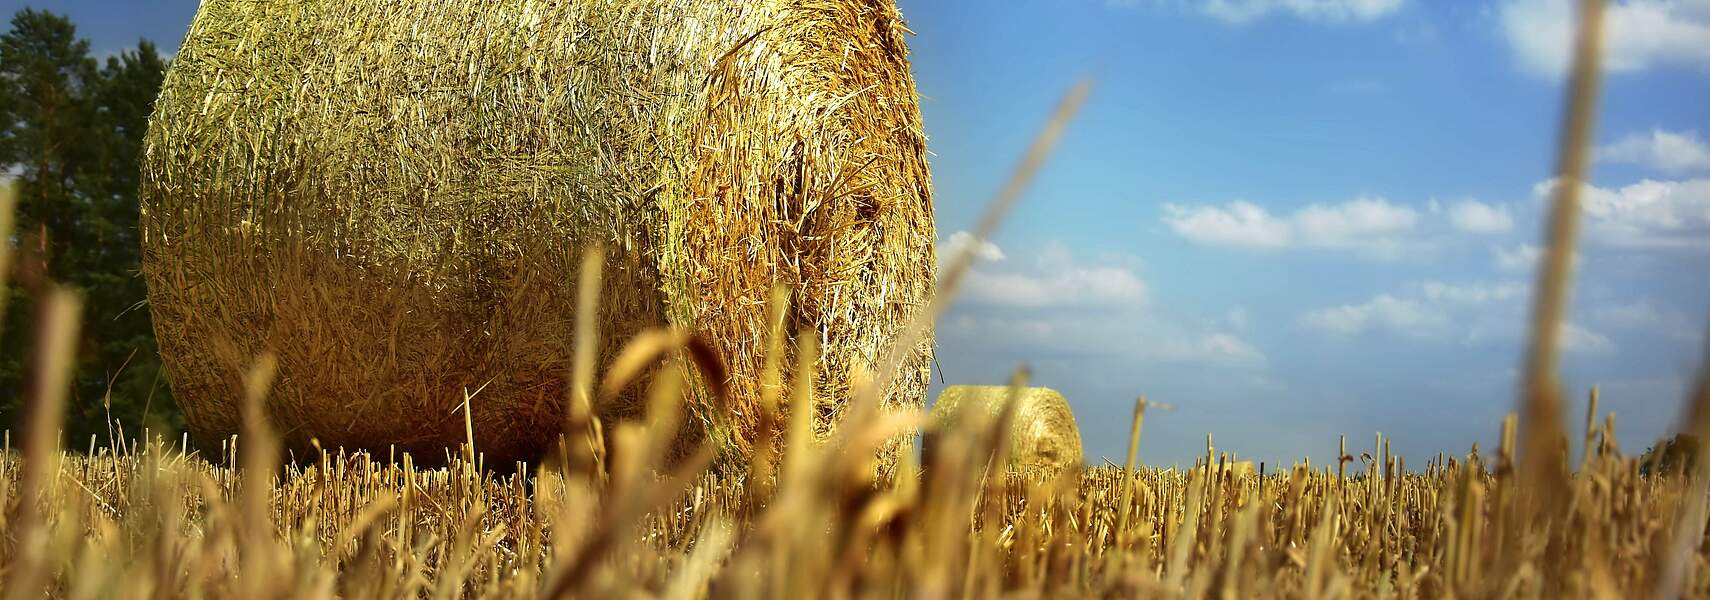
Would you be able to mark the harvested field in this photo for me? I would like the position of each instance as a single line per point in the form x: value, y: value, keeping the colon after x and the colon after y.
x: 132, y: 522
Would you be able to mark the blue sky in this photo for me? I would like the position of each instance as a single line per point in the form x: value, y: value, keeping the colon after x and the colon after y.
x: 1293, y: 219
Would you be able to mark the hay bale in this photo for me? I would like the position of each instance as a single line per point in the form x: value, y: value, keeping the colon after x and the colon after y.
x: 393, y: 195
x: 1043, y: 435
x: 1236, y: 469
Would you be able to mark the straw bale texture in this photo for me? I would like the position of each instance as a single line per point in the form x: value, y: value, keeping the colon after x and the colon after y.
x: 1043, y: 435
x: 393, y: 196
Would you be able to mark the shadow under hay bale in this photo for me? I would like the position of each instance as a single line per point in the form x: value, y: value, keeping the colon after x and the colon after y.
x: 1043, y: 434
x: 393, y: 196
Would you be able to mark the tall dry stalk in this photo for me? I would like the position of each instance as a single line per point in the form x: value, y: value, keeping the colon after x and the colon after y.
x: 1541, y: 422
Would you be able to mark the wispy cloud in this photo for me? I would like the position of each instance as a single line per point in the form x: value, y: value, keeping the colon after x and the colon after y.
x: 1417, y: 34
x: 1053, y: 303
x: 1638, y: 34
x: 1401, y: 316
x: 1329, y: 11
x: 1576, y: 338
x: 1052, y: 279
x: 1647, y: 214
x: 1242, y: 223
x: 1434, y: 311
x: 1472, y: 216
x: 1644, y: 316
x: 1225, y: 345
x: 1474, y: 293
x: 1669, y: 152
x: 1369, y: 224
x: 1138, y: 336
x: 1523, y: 257
x: 1238, y: 318
x: 963, y: 241
x: 1422, y: 312
x: 1090, y: 286
x: 1239, y: 12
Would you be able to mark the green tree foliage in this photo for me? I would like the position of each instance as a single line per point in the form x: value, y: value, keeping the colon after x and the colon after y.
x: 1673, y: 455
x: 70, y: 133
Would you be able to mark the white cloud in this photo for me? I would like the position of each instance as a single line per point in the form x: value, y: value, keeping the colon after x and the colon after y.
x: 1329, y: 11
x: 1033, y: 329
x: 1472, y: 216
x: 1647, y: 214
x: 1523, y: 257
x: 1417, y: 34
x: 1079, y: 286
x: 1674, y: 153
x: 961, y: 241
x: 1469, y: 313
x: 1239, y: 12
x: 1054, y: 304
x: 1229, y: 346
x: 1638, y: 34
x: 1371, y: 224
x: 1405, y: 317
x: 1056, y: 279
x: 1637, y: 314
x: 1474, y: 293
x: 1134, y: 335
x: 1241, y: 224
x: 1238, y: 318
x: 1642, y: 315
x: 1352, y: 223
x: 1576, y: 338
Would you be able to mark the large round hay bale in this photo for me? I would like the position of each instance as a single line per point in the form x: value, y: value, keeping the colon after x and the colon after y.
x: 1042, y: 434
x: 393, y: 196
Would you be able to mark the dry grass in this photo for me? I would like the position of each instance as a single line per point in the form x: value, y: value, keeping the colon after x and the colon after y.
x: 141, y: 521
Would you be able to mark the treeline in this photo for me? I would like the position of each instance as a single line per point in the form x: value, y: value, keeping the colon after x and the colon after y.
x: 71, y: 129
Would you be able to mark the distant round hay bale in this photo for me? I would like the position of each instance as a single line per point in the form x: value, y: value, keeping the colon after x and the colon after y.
x: 394, y: 195
x: 1236, y: 469
x: 1042, y: 433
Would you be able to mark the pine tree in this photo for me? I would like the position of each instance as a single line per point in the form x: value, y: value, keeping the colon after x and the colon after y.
x: 70, y: 132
